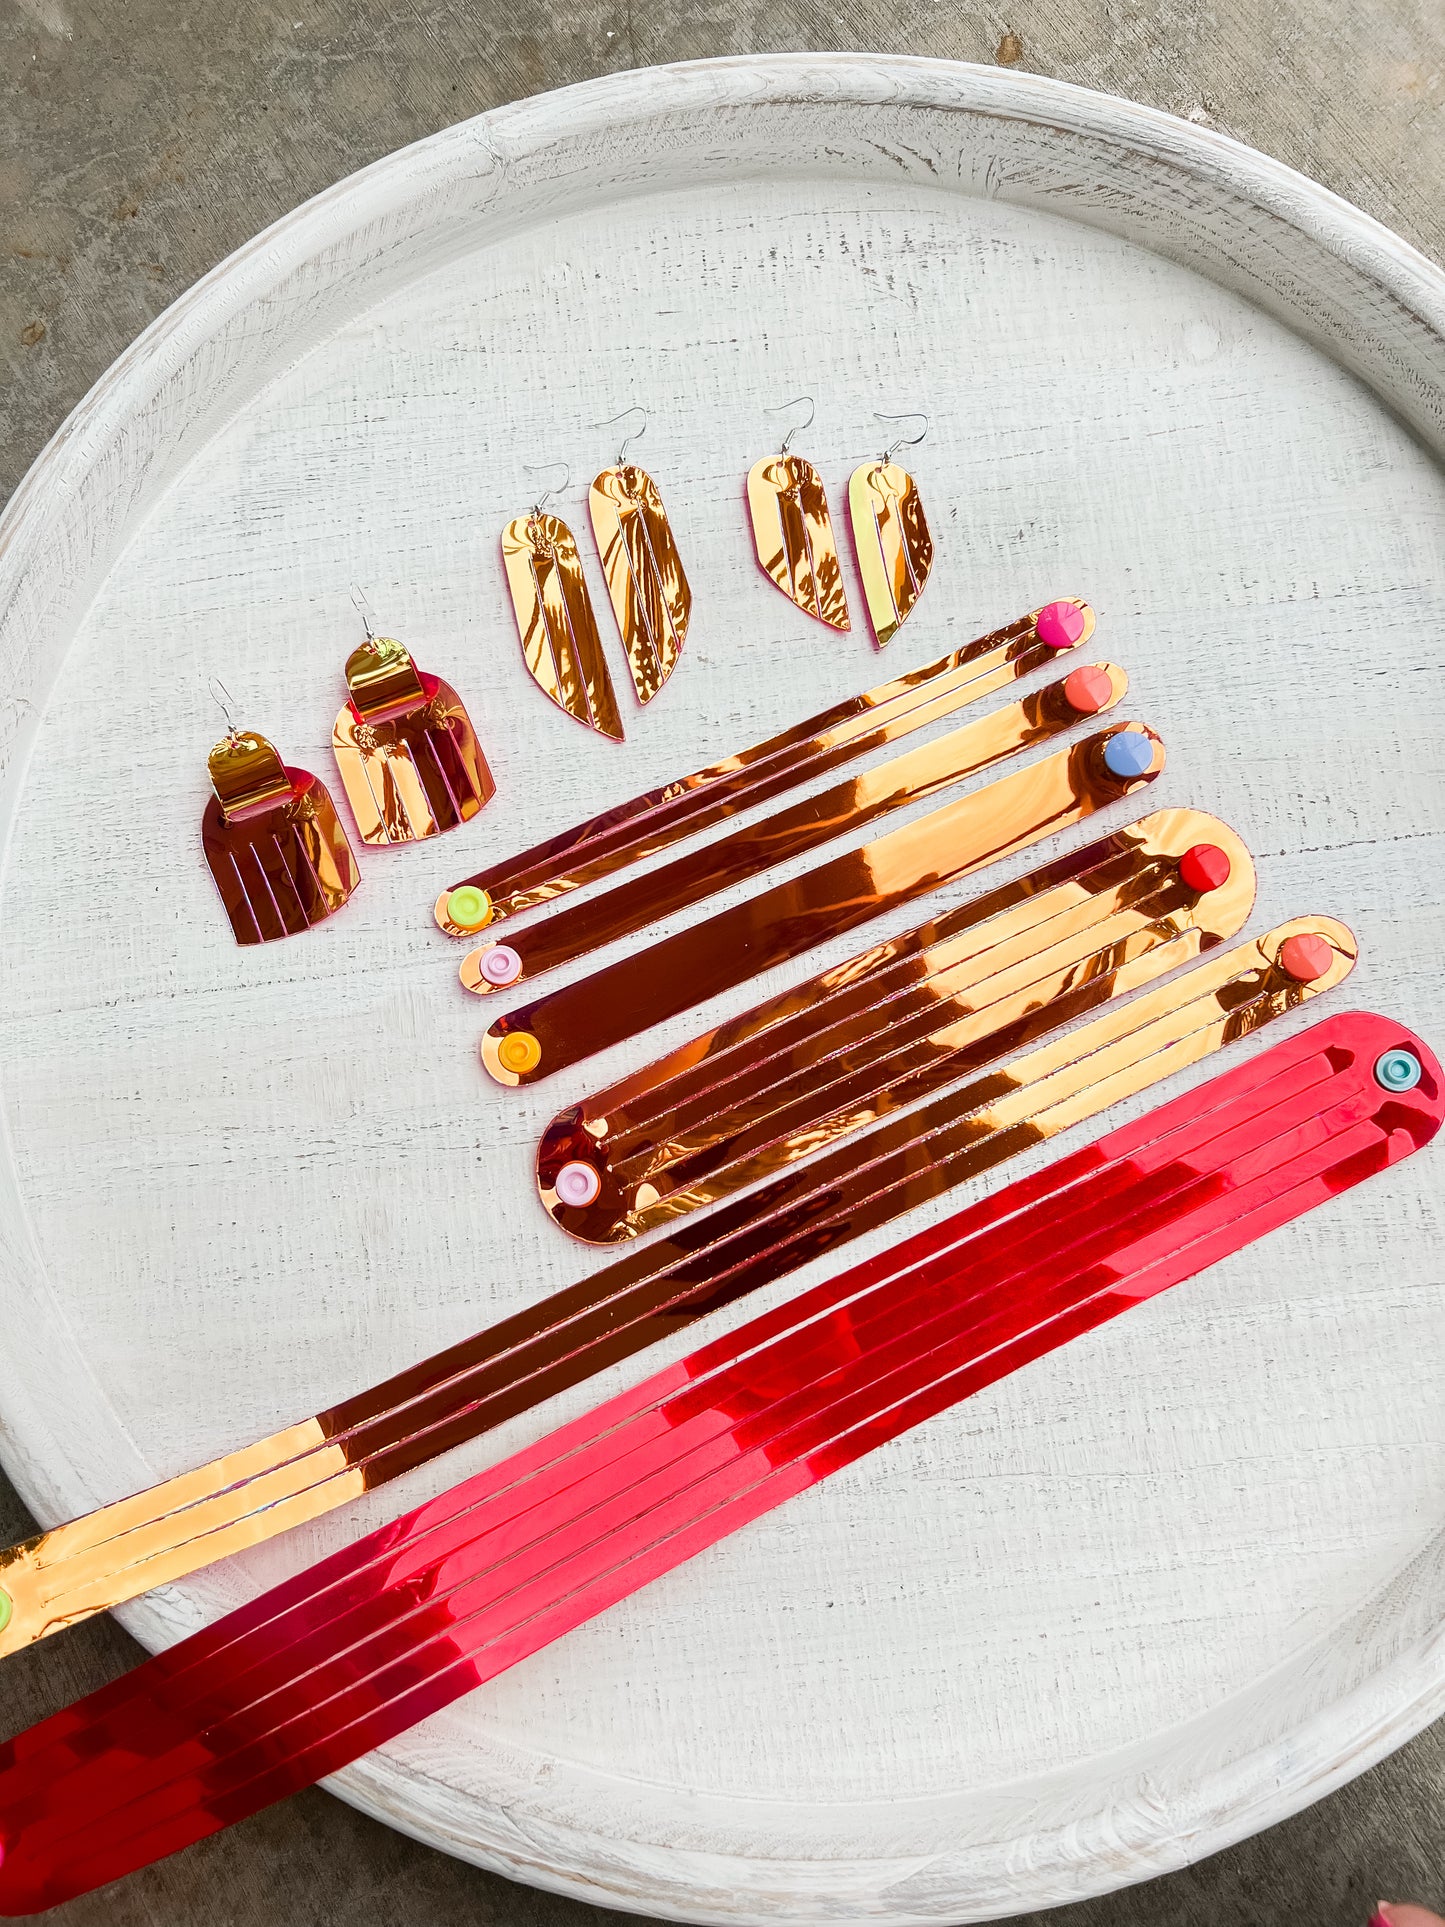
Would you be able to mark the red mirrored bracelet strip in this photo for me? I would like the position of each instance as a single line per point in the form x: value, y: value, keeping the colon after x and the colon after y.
x: 683, y: 970
x: 296, y: 1475
x: 345, y: 1656
x: 654, y: 821
x: 886, y: 1029
x: 577, y: 929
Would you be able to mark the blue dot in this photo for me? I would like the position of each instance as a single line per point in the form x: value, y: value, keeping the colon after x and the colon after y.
x: 1128, y: 754
x: 1398, y: 1070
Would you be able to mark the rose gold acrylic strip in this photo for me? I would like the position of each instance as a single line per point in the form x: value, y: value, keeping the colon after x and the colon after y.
x: 828, y: 1058
x: 577, y: 929
x: 650, y: 1292
x: 647, y: 824
x: 682, y: 970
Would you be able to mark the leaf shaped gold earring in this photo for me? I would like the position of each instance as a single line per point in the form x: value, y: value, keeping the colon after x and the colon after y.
x: 560, y: 643
x: 890, y: 534
x: 646, y: 582
x: 793, y: 531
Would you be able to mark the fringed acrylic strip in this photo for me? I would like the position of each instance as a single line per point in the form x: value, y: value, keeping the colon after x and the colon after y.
x: 651, y: 1292
x: 658, y: 818
x: 887, y: 1029
x: 576, y: 929
x: 681, y: 971
x: 341, y: 1658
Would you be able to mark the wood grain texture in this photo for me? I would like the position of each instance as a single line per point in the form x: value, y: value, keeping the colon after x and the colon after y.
x: 1134, y: 1557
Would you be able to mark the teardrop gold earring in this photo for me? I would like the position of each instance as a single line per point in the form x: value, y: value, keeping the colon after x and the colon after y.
x: 793, y: 530
x: 890, y: 535
x: 646, y: 582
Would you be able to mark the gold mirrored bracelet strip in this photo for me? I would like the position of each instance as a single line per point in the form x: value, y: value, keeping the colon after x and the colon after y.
x: 827, y: 1058
x: 682, y: 970
x: 658, y: 818
x: 653, y: 1291
x: 576, y: 929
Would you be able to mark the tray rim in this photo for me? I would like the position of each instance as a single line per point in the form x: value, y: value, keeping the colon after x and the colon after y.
x: 43, y: 594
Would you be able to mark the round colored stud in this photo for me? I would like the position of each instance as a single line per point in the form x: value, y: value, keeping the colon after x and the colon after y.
x: 1129, y: 754
x: 519, y: 1052
x: 6, y: 1608
x: 1088, y: 690
x: 500, y: 965
x: 1306, y: 958
x: 1398, y: 1070
x: 577, y: 1183
x: 1204, y: 868
x: 1059, y: 625
x: 469, y: 908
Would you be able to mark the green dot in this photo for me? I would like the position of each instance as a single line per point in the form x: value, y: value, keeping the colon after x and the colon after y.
x: 469, y: 908
x: 6, y: 1608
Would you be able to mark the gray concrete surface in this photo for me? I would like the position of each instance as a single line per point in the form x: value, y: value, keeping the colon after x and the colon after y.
x: 142, y: 140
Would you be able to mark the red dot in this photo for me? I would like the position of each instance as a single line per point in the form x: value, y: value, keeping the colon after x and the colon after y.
x: 1088, y: 690
x: 1204, y: 868
x: 1306, y: 958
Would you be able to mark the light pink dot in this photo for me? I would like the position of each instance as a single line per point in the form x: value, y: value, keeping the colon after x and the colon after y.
x: 1059, y: 625
x: 501, y: 965
x: 577, y: 1183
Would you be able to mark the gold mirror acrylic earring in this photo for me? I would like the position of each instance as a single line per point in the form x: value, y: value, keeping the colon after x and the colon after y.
x: 272, y: 839
x: 890, y: 534
x: 409, y: 758
x: 560, y: 643
x: 646, y: 582
x: 793, y: 531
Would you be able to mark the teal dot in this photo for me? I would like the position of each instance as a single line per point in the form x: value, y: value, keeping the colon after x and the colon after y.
x: 1398, y: 1070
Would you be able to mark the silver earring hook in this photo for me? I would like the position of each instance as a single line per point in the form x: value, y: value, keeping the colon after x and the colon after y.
x: 636, y: 435
x: 535, y: 468
x: 363, y: 609
x: 798, y: 426
x: 904, y: 441
x: 224, y: 701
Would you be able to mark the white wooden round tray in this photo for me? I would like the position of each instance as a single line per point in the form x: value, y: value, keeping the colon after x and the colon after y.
x: 1154, y: 1592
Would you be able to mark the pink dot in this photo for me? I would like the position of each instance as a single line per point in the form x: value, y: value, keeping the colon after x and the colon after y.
x: 1060, y: 625
x: 1306, y: 958
x: 577, y: 1183
x: 501, y: 965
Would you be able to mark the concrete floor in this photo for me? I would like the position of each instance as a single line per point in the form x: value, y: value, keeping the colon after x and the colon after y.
x: 142, y: 140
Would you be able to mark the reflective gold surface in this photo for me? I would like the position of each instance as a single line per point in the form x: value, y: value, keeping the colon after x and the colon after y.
x: 124, y: 1549
x: 646, y: 582
x: 651, y: 1292
x: 273, y: 842
x: 893, y: 542
x: 727, y: 949
x: 888, y: 1028
x: 560, y: 643
x: 793, y: 535
x: 577, y: 929
x: 646, y: 824
x: 409, y: 758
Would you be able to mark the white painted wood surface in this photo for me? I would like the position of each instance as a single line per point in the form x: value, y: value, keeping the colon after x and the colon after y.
x: 1148, y: 1595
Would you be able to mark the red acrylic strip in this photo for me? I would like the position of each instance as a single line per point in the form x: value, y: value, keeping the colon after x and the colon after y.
x: 337, y: 1660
